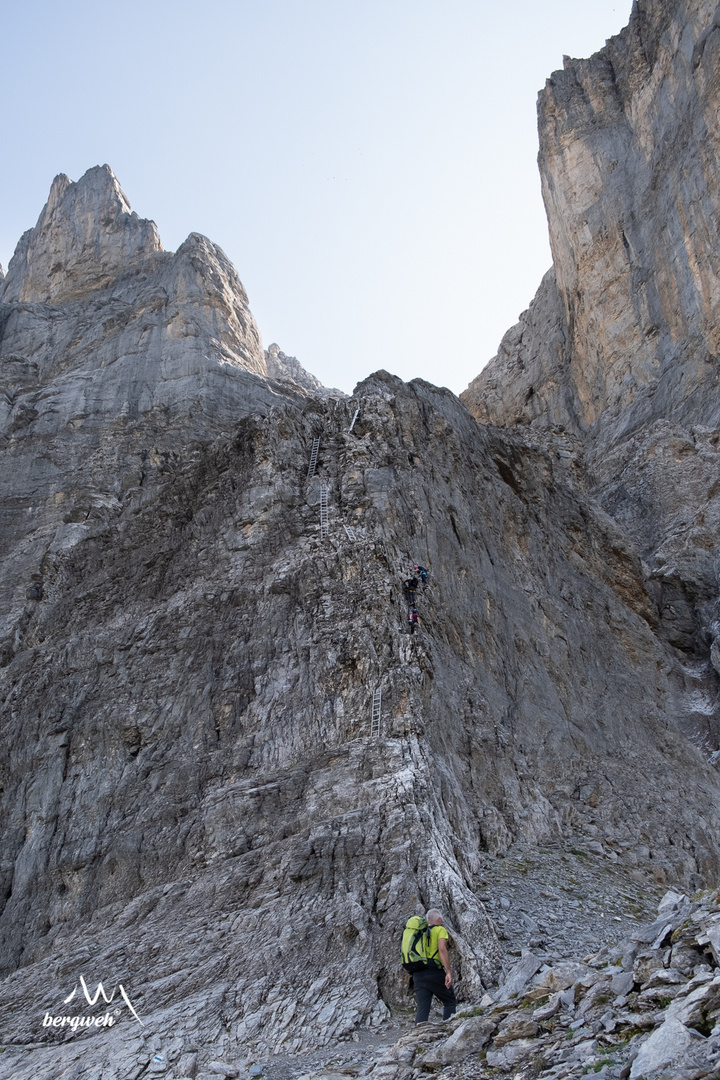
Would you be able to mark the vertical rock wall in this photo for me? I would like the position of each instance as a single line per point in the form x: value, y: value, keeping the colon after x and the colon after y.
x: 192, y: 802
x: 629, y: 149
x: 619, y: 350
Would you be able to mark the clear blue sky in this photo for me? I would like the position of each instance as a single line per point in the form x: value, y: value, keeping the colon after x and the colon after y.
x: 368, y: 165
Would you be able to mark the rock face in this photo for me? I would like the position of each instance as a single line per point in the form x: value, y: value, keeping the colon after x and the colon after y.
x: 193, y: 805
x: 288, y: 369
x: 628, y: 332
x: 202, y: 595
x: 85, y: 236
x: 527, y: 383
x: 619, y: 350
x: 115, y: 354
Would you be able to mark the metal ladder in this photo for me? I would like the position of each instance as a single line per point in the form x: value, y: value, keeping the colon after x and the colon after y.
x: 376, y: 712
x: 324, y: 520
x: 352, y: 425
x: 349, y: 532
x: 313, y: 457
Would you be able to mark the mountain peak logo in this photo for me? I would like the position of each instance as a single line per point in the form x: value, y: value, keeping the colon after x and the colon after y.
x: 75, y: 1022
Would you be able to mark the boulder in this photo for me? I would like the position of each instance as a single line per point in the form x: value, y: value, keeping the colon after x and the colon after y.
x: 563, y: 975
x: 517, y: 1025
x: 547, y: 1010
x: 711, y: 937
x: 646, y: 964
x: 512, y: 1054
x: 664, y: 977
x: 518, y: 977
x: 622, y: 983
x: 673, y: 1052
x: 671, y: 899
x: 470, y: 1037
x: 691, y: 1009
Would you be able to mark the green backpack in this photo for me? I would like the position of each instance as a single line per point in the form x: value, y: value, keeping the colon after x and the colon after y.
x: 414, y: 943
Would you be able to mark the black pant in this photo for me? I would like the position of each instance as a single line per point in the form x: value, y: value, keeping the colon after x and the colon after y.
x: 426, y: 984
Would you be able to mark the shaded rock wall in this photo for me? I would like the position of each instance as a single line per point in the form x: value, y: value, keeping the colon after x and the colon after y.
x: 619, y: 349
x: 114, y: 355
x: 189, y: 765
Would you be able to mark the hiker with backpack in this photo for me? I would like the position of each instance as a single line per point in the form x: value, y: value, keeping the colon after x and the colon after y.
x: 424, y: 955
x: 413, y: 620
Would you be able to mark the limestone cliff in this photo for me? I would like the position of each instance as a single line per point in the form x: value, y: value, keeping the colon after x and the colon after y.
x: 619, y: 349
x: 115, y: 356
x: 629, y: 146
x: 195, y: 622
x: 188, y: 706
x: 85, y: 236
x: 288, y: 369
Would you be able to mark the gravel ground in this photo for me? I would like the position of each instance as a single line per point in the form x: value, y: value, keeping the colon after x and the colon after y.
x: 565, y: 901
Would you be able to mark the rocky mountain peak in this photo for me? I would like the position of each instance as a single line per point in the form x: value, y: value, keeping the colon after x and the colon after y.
x: 288, y: 369
x: 624, y: 329
x: 85, y: 235
x: 234, y: 764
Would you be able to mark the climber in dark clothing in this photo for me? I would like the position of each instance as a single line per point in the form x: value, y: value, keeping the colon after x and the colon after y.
x: 411, y: 587
x: 413, y: 619
x: 422, y: 572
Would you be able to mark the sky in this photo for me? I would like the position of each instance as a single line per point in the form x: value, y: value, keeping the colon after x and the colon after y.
x: 369, y: 166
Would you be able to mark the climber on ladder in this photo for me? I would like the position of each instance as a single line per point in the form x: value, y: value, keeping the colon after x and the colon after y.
x: 413, y: 620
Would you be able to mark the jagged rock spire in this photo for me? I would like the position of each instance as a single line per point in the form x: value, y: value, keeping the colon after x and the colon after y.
x: 85, y: 234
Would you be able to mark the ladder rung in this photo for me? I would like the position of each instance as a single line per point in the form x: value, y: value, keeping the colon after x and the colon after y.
x: 376, y: 713
x: 313, y: 457
x: 324, y: 517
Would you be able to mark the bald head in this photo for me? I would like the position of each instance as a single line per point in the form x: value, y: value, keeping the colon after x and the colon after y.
x: 434, y: 917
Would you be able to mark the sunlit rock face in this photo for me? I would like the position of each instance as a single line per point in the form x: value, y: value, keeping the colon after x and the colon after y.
x: 628, y: 161
x: 90, y: 289
x: 629, y: 143
x: 85, y: 236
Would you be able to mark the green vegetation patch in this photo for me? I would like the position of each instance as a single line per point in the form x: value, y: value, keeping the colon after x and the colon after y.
x: 598, y: 1065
